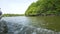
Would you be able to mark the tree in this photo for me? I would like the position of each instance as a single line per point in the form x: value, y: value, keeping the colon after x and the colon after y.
x: 44, y: 7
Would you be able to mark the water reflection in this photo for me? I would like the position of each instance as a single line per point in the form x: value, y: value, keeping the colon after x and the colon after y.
x: 48, y: 22
x: 33, y: 25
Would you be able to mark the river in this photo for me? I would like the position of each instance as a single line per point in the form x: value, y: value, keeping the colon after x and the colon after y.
x: 33, y: 25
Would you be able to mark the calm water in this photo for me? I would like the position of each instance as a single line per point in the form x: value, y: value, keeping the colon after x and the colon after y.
x: 33, y: 25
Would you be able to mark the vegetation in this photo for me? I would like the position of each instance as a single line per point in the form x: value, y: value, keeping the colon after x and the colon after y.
x: 44, y: 7
x: 8, y: 15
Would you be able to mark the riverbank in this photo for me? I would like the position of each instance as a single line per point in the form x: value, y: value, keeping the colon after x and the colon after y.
x: 11, y: 15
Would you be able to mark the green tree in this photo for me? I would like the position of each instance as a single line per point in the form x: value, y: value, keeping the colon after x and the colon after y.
x: 44, y: 7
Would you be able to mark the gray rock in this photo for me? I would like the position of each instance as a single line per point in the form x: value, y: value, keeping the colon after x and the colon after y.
x: 3, y: 27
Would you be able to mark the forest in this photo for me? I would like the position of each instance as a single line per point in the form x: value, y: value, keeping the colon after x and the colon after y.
x: 44, y: 8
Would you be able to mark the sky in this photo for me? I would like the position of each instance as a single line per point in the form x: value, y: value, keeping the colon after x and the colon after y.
x: 15, y: 6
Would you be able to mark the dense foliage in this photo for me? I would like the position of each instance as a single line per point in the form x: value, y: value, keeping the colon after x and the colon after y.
x: 44, y: 7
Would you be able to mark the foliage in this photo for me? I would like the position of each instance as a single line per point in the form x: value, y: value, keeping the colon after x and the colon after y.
x: 44, y: 7
x: 8, y: 15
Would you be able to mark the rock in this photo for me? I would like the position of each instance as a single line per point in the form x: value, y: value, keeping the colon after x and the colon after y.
x: 3, y: 27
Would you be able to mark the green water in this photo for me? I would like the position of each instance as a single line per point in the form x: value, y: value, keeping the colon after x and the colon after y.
x: 33, y: 25
x: 49, y: 22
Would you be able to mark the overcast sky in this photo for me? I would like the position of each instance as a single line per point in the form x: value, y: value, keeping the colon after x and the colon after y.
x: 15, y: 6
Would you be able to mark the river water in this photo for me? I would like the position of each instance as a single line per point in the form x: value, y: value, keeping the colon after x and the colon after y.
x: 33, y: 25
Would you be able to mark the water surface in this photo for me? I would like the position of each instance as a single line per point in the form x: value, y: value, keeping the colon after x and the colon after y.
x: 33, y: 25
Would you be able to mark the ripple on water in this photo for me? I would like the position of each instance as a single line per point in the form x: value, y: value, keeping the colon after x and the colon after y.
x: 14, y: 28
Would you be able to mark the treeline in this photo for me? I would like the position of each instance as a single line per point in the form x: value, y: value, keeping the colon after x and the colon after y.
x: 44, y: 8
x: 9, y: 15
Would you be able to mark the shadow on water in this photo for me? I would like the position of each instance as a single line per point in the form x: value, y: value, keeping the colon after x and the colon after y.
x: 36, y: 25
